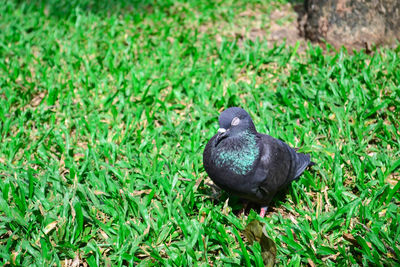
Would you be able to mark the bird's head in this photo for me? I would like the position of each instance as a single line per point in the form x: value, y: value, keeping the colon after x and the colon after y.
x: 232, y: 122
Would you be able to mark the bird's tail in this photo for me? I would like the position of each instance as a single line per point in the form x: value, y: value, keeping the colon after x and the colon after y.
x: 302, y: 162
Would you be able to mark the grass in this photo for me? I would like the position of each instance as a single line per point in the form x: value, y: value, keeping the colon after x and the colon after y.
x: 106, y: 108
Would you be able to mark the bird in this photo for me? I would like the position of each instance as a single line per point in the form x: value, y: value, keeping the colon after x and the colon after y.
x: 248, y: 164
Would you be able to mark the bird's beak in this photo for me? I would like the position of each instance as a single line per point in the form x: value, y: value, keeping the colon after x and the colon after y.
x: 221, y: 130
x: 221, y: 135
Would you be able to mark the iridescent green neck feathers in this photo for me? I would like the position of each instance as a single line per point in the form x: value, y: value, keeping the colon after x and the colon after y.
x: 237, y: 153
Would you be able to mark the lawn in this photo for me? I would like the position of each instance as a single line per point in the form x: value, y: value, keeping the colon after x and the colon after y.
x: 105, y: 111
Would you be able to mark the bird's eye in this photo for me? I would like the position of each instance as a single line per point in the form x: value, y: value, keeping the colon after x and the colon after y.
x: 235, y: 121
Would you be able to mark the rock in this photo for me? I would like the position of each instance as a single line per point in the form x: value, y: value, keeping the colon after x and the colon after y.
x: 355, y: 24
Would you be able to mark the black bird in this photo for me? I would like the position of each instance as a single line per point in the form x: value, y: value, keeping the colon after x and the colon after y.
x: 248, y: 164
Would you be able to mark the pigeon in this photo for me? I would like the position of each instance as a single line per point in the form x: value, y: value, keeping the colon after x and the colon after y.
x: 248, y: 164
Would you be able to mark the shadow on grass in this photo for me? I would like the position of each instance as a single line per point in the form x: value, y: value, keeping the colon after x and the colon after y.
x: 63, y: 9
x: 237, y: 204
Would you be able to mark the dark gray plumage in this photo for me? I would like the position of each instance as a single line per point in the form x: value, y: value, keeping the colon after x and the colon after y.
x: 248, y: 164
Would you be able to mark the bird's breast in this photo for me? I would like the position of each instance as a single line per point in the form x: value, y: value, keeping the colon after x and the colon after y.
x: 237, y: 158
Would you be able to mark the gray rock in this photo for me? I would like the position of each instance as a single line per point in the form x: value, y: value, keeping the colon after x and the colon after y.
x: 355, y: 24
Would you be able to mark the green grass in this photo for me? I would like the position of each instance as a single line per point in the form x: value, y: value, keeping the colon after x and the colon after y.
x: 106, y: 109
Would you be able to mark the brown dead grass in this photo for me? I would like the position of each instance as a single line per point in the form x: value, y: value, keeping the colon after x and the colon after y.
x: 280, y: 23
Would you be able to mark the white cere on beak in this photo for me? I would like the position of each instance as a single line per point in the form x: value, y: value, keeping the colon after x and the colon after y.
x: 235, y: 121
x: 221, y: 130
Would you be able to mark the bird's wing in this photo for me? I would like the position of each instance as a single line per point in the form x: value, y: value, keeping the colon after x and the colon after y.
x: 279, y: 164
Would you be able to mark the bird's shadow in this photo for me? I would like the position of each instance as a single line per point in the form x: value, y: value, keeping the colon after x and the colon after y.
x: 241, y: 206
x: 276, y: 202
